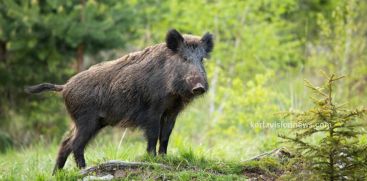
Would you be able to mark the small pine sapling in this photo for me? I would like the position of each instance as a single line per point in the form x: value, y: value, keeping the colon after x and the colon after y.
x: 326, y: 140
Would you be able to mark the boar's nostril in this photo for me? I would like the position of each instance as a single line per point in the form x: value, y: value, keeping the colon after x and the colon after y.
x: 198, y: 89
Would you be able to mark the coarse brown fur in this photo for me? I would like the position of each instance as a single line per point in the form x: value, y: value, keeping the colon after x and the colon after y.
x: 145, y: 89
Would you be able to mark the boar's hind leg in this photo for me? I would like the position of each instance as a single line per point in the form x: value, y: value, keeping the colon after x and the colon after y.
x: 64, y: 152
x: 168, y: 121
x: 85, y: 131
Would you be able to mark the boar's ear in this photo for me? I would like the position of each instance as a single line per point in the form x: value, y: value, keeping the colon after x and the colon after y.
x: 174, y: 39
x: 207, y: 40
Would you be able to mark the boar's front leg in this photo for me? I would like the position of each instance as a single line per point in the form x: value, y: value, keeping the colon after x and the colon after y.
x: 168, y: 121
x: 152, y: 134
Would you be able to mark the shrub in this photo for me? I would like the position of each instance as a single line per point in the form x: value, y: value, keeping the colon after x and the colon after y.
x: 327, y: 140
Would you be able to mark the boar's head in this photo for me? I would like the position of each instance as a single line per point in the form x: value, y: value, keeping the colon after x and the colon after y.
x: 189, y: 53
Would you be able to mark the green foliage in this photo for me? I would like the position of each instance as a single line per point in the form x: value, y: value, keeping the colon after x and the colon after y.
x: 263, y: 51
x: 327, y: 138
x: 340, y: 48
x: 40, y: 42
x: 5, y: 141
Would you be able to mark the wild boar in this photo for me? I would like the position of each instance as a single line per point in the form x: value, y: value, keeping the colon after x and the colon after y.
x: 145, y: 89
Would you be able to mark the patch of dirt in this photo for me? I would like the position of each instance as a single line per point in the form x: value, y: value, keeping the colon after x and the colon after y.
x: 259, y: 174
x: 118, y: 169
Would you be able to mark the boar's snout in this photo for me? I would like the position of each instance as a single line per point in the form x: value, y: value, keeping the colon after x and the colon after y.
x: 198, y: 89
x: 196, y: 85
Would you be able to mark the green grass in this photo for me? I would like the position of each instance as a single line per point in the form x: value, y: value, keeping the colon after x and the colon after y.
x: 36, y: 163
x: 186, y: 159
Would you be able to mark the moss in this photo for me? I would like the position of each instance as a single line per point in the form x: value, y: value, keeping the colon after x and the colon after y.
x: 267, y: 166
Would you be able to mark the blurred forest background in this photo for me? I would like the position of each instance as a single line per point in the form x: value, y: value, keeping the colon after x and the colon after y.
x: 264, y: 49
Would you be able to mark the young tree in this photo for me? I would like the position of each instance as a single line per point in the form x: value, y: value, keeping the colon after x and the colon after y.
x: 327, y: 139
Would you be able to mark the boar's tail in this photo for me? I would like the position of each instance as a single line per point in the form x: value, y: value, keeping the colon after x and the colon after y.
x: 43, y: 87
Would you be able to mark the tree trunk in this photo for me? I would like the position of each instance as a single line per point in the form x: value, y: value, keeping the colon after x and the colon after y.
x: 2, y: 51
x: 80, y: 48
x: 80, y: 57
x: 2, y: 60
